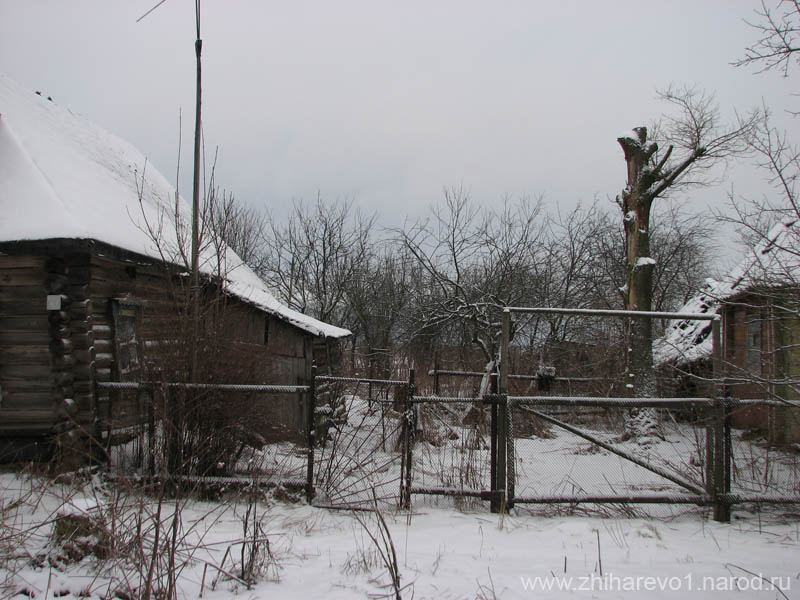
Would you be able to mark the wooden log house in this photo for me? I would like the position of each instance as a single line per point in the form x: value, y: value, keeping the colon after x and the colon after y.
x: 87, y: 295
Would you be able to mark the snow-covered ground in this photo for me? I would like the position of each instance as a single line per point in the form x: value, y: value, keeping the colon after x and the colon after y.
x: 445, y: 548
x: 441, y: 553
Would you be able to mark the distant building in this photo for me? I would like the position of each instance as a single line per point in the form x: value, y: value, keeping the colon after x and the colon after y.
x: 759, y: 302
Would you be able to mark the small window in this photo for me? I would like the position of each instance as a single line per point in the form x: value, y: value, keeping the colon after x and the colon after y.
x: 127, y: 314
x: 266, y: 330
x: 754, y: 343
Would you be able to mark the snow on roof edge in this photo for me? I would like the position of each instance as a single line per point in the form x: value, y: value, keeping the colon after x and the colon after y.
x: 688, y: 340
x: 78, y: 181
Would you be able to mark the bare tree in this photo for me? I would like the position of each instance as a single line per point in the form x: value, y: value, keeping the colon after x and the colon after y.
x: 695, y: 142
x: 581, y: 264
x: 311, y: 259
x: 378, y: 296
x: 242, y: 228
x: 779, y: 31
x: 475, y: 262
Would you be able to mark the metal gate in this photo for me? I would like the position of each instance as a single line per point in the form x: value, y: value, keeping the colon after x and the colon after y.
x: 361, y: 430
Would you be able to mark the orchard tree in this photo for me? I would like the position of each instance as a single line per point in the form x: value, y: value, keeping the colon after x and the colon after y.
x: 311, y: 258
x: 473, y: 262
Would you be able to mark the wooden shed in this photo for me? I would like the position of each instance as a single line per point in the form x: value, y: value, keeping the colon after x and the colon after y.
x: 91, y: 291
x: 759, y: 302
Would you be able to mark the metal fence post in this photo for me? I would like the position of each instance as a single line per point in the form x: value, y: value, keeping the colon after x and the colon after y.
x: 721, y: 457
x: 503, y: 432
x: 436, y: 374
x: 511, y: 471
x: 151, y: 431
x: 409, y: 425
x: 495, y: 501
x: 311, y: 405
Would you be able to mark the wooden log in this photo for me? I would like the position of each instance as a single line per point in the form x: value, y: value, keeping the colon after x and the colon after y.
x: 55, y: 317
x: 24, y: 372
x: 22, y: 293
x: 60, y: 346
x: 15, y: 386
x: 60, y: 331
x: 24, y: 338
x: 104, y: 360
x: 55, y: 283
x: 101, y: 330
x: 84, y: 356
x: 80, y: 274
x: 82, y: 308
x: 103, y: 345
x: 56, y: 265
x: 84, y: 325
x: 23, y: 323
x: 82, y: 340
x: 84, y: 401
x: 78, y: 291
x: 21, y: 262
x: 25, y: 355
x: 25, y: 278
x: 21, y: 307
x: 63, y: 361
x: 83, y: 386
x: 83, y: 371
x: 77, y: 259
x: 63, y: 378
x: 16, y: 416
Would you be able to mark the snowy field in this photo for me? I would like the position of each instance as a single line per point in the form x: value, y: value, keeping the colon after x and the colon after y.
x: 441, y: 553
x: 87, y: 538
x: 363, y: 456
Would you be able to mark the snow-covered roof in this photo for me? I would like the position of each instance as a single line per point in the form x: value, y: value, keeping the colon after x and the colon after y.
x: 773, y: 262
x: 687, y: 340
x: 62, y: 176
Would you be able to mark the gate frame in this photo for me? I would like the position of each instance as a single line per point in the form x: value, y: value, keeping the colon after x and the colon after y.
x: 718, y: 441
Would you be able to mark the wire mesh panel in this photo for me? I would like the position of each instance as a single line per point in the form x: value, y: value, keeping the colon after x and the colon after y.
x: 452, y: 450
x: 359, y: 451
x: 763, y: 463
x: 229, y: 432
x: 568, y: 457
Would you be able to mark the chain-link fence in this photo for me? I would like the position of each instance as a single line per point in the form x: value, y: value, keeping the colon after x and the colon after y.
x: 360, y: 431
x: 530, y: 441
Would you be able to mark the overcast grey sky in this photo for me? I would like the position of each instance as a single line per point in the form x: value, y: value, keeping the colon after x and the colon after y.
x: 387, y: 102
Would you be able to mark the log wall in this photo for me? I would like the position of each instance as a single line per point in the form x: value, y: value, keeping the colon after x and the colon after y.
x: 28, y: 395
x: 51, y: 360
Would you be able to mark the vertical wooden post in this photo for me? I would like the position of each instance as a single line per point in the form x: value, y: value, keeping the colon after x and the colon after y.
x: 310, y: 433
x: 721, y: 468
x: 494, y: 505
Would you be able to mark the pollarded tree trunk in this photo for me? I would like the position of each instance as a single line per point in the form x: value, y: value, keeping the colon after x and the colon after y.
x: 701, y: 142
x: 636, y: 201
